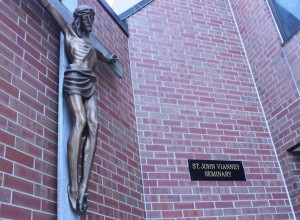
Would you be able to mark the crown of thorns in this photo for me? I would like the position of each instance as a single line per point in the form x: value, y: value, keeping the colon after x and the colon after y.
x: 82, y: 10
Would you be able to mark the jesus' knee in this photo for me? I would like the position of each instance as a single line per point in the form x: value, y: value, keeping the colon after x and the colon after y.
x: 80, y: 122
x: 93, y: 126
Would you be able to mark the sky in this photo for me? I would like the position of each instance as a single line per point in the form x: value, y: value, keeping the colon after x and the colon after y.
x: 110, y: 2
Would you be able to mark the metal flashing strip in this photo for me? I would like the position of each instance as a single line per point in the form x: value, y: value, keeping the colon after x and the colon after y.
x: 295, y: 148
x: 134, y: 9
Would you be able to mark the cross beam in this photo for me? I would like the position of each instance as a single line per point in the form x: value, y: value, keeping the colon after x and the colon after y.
x: 64, y: 210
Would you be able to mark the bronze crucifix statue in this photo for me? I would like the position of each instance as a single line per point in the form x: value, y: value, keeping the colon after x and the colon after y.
x: 79, y: 86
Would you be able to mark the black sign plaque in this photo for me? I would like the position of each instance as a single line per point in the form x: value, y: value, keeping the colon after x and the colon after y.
x: 216, y: 170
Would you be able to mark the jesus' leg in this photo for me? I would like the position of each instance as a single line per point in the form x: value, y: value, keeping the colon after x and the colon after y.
x: 74, y: 143
x: 88, y: 152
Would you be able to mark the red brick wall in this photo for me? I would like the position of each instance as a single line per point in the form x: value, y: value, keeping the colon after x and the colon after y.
x: 276, y: 70
x: 28, y: 151
x: 195, y: 98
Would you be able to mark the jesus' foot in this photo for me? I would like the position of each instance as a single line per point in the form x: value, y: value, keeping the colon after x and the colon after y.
x: 72, y: 198
x: 82, y: 204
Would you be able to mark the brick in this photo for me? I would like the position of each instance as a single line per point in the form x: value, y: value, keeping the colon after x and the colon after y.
x: 23, y: 86
x: 183, y: 206
x: 14, y: 212
x: 19, y: 157
x: 35, y: 55
x: 5, y: 195
x: 20, y: 107
x: 215, y: 136
x: 27, y: 47
x: 24, y: 200
x: 49, y: 206
x: 18, y: 184
x: 6, y: 166
x: 2, y: 149
x: 31, y: 79
x: 12, y: 45
x: 49, y: 181
x: 30, y: 101
x: 204, y: 205
x: 21, y: 132
x: 8, y: 67
x: 9, y: 88
x: 40, y: 215
x: 27, y: 173
x: 45, y: 167
x: 171, y: 214
x: 8, y: 113
x: 44, y: 192
x: 30, y: 124
x: 194, y: 98
x: 28, y: 148
x: 224, y: 205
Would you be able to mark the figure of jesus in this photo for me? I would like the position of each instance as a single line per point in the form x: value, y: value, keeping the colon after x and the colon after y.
x: 79, y: 86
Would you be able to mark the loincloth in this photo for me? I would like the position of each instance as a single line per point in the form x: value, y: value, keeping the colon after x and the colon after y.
x: 79, y: 81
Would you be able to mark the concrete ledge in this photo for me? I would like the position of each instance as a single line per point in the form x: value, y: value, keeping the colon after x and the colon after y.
x: 114, y: 16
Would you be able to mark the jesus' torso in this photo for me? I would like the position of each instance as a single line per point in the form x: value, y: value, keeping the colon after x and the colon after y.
x: 80, y: 51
